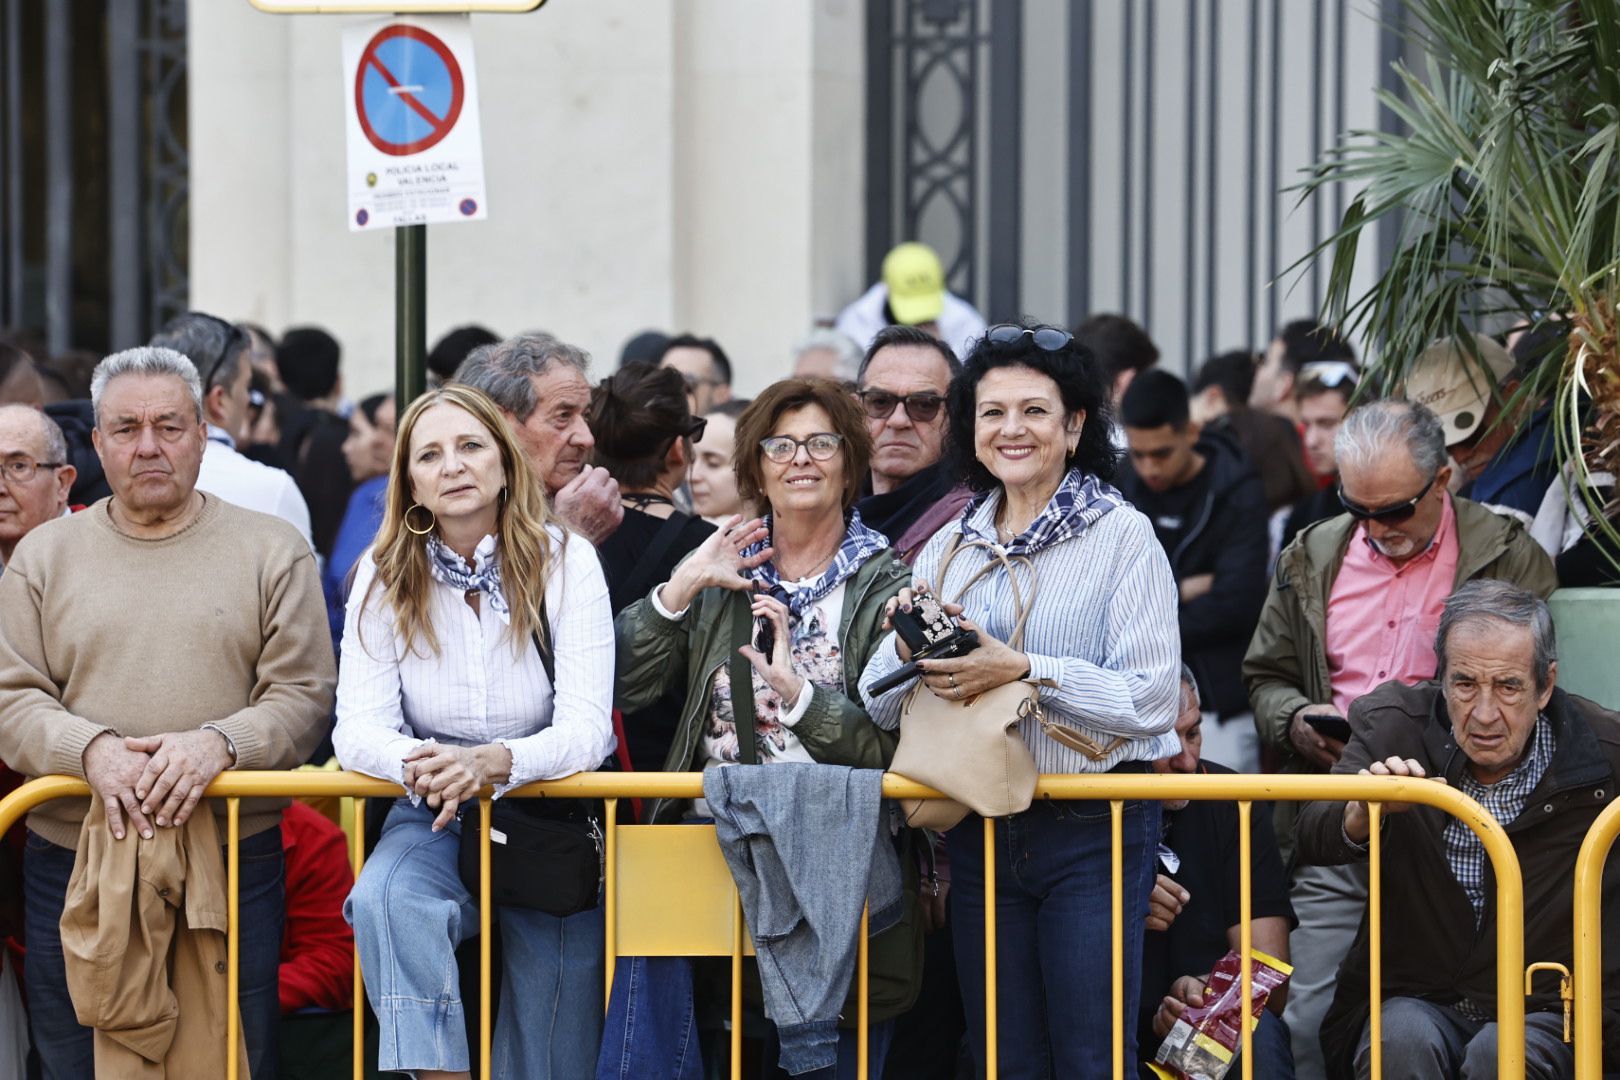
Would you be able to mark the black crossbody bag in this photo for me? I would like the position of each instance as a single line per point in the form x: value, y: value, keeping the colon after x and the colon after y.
x: 545, y: 854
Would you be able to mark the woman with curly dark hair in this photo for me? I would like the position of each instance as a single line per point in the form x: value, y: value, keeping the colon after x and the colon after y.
x: 1029, y: 431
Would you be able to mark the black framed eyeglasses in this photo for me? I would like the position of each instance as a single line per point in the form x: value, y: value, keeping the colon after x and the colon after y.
x: 1389, y: 515
x: 821, y: 446
x: 1046, y: 338
x: 922, y: 406
x: 20, y: 470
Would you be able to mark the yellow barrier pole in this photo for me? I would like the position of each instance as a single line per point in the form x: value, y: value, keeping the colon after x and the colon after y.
x: 1246, y: 932
x: 990, y: 971
x: 863, y: 1006
x: 357, y: 857
x: 610, y: 916
x: 736, y: 984
x: 1117, y: 940
x: 1589, y: 942
x: 233, y: 931
x: 1375, y: 935
x: 485, y: 810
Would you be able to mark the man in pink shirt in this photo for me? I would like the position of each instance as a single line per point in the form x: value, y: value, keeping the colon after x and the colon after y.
x: 1355, y: 603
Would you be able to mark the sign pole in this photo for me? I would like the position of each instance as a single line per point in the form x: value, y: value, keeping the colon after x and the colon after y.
x: 410, y: 314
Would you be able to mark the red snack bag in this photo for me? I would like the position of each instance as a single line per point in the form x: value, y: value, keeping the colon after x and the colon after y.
x: 1206, y: 1037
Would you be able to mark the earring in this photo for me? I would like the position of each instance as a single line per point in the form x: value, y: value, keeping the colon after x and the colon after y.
x: 432, y: 521
x: 503, y: 493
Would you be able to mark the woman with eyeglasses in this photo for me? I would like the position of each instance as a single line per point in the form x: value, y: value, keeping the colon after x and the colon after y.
x: 1028, y: 430
x: 808, y: 584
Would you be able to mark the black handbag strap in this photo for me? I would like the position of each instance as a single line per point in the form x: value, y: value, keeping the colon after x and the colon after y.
x: 542, y: 645
x: 742, y: 680
x: 652, y: 558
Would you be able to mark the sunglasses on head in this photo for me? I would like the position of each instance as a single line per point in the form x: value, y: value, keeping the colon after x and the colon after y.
x: 921, y: 406
x: 1389, y: 515
x: 1046, y: 338
x: 1330, y: 373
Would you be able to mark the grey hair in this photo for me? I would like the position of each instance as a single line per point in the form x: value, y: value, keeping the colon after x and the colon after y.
x: 1190, y: 681
x: 506, y: 370
x: 1373, y: 429
x: 49, y: 430
x: 1478, y: 600
x: 144, y: 360
x: 839, y: 344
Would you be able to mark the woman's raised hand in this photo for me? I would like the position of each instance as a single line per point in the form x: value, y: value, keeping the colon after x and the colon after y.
x: 717, y: 561
x: 776, y: 669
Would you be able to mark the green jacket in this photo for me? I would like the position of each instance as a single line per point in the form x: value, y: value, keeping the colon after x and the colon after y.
x: 657, y: 655
x: 1286, y: 667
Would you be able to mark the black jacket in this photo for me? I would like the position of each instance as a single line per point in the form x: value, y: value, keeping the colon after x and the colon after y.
x: 1228, y: 540
x: 1431, y: 949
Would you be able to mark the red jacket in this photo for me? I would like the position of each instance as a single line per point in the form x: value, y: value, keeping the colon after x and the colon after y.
x: 317, y: 946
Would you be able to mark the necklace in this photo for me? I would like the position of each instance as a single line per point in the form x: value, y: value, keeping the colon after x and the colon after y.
x: 640, y: 500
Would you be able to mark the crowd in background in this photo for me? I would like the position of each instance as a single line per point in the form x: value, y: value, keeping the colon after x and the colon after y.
x: 1263, y: 566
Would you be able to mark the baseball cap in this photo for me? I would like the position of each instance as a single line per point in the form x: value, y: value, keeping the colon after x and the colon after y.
x: 916, y: 283
x: 1452, y: 384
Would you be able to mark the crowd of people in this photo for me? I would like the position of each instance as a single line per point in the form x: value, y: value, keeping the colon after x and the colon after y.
x: 211, y: 559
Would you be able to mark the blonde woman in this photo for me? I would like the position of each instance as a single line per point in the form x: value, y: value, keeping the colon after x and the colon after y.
x: 443, y: 691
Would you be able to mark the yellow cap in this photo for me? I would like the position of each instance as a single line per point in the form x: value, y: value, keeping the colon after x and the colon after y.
x: 916, y: 283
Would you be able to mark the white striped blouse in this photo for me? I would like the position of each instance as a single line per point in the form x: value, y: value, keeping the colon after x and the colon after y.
x: 480, y: 689
x: 1102, y: 638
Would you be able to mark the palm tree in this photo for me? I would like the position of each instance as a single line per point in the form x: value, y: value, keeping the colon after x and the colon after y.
x: 1506, y: 186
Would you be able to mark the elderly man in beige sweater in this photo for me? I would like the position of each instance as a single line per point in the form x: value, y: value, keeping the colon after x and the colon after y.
x: 147, y: 644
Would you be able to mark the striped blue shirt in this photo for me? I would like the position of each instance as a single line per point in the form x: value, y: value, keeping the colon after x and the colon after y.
x: 1102, y: 638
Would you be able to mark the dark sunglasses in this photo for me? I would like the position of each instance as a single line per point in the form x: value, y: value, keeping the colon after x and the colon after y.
x: 921, y: 406
x: 695, y: 427
x: 1389, y: 515
x: 1046, y: 338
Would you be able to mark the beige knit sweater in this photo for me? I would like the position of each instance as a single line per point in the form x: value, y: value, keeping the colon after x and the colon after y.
x: 223, y: 622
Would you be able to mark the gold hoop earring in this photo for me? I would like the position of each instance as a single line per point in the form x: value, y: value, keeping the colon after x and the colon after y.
x: 432, y: 521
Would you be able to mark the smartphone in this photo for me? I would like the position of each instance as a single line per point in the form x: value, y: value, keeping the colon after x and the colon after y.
x: 1334, y: 727
x: 764, y: 637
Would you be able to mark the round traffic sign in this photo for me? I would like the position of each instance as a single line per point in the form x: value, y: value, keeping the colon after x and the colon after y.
x: 408, y: 90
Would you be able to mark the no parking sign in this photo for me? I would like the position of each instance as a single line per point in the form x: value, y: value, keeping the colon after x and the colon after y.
x: 411, y: 108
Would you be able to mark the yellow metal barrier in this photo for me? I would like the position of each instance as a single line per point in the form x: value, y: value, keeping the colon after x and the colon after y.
x: 1588, y: 974
x: 626, y: 935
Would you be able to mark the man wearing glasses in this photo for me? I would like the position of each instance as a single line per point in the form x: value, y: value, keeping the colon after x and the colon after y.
x: 1355, y: 603
x: 901, y: 388
x: 35, y: 477
x: 221, y: 353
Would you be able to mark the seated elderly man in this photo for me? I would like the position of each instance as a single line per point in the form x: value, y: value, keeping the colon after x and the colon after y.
x: 1494, y: 726
x: 148, y: 644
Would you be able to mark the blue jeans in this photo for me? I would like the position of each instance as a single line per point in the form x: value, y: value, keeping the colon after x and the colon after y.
x: 409, y: 911
x: 66, y: 1048
x: 1422, y: 1040
x: 1053, y: 928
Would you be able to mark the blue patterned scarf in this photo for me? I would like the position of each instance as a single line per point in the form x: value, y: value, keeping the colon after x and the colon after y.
x: 1079, y: 502
x: 859, y: 544
x: 485, y: 577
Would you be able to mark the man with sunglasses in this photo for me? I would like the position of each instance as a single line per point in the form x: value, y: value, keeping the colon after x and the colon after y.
x: 1354, y: 604
x: 901, y: 387
x: 220, y: 351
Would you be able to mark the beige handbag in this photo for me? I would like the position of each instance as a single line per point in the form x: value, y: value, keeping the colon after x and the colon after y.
x: 971, y: 750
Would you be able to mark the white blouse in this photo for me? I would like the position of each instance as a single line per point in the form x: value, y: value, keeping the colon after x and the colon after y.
x: 479, y: 689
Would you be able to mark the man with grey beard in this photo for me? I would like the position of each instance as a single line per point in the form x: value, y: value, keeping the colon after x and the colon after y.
x: 1354, y: 603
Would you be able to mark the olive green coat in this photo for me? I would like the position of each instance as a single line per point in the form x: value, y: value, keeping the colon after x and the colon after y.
x: 657, y: 655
